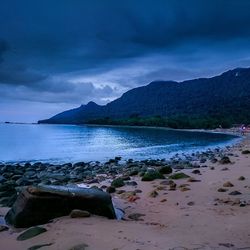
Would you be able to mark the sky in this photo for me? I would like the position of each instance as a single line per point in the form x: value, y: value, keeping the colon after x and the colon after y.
x: 56, y: 55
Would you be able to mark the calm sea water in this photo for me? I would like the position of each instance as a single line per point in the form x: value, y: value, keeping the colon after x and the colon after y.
x: 66, y: 143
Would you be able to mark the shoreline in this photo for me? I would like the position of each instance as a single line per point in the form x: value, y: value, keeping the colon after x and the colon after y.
x: 191, y: 215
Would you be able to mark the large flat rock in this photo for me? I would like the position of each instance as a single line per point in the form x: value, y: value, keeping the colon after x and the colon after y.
x: 38, y: 205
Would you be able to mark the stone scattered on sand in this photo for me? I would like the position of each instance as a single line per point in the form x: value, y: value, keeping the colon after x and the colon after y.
x: 235, y: 193
x: 82, y: 246
x: 222, y: 190
x: 38, y: 205
x: 227, y: 245
x: 166, y: 170
x: 196, y: 171
x: 136, y: 216
x: 163, y: 200
x: 224, y: 160
x: 35, y: 247
x: 191, y: 179
x: 178, y: 176
x: 31, y: 232
x: 152, y: 175
x: 228, y: 184
x: 241, y: 178
x: 224, y: 169
x: 245, y: 152
x: 165, y: 182
x: 211, y: 168
x: 77, y: 213
x: 118, y: 182
x: 131, y: 183
x: 3, y: 228
x: 172, y: 186
x: 121, y: 191
x: 153, y: 194
x: 159, y: 188
x: 184, y: 189
x: 190, y: 203
x: 110, y: 189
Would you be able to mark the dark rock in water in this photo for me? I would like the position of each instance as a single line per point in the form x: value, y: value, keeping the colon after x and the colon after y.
x: 225, y: 160
x: 31, y: 232
x: 165, y: 170
x: 177, y: 176
x: 118, y: 182
x: 38, y: 205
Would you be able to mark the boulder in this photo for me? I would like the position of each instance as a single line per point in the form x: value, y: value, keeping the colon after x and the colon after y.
x: 38, y: 205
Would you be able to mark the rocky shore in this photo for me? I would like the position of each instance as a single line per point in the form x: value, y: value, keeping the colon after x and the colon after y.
x: 13, y: 177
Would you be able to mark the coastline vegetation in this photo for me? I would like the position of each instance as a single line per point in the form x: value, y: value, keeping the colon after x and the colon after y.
x: 176, y: 122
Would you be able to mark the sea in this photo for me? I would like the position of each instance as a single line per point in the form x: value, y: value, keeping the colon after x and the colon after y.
x: 71, y: 143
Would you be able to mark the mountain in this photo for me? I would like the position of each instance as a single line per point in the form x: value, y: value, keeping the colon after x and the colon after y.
x: 225, y: 98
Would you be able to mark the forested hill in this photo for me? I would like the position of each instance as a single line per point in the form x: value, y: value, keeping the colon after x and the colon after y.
x: 205, y: 102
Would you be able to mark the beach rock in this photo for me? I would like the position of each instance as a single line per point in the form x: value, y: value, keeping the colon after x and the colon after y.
x: 165, y: 170
x: 35, y: 247
x: 118, y: 182
x: 131, y: 183
x: 151, y: 175
x: 245, y: 152
x: 225, y: 160
x: 3, y: 228
x: 191, y: 179
x: 241, y: 178
x: 178, y: 176
x: 82, y: 246
x: 213, y: 160
x: 31, y: 232
x: 153, y: 194
x: 172, y: 186
x: 110, y: 190
x: 166, y: 182
x: 228, y: 184
x: 196, y: 171
x: 235, y: 193
x: 38, y: 205
x: 222, y: 190
x: 136, y: 216
x: 76, y: 213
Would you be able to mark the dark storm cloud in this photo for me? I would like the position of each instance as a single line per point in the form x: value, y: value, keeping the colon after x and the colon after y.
x: 72, y: 51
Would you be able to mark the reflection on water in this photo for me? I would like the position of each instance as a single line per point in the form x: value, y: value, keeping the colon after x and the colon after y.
x: 64, y: 143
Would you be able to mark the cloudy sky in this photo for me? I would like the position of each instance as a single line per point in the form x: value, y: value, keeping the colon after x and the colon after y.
x: 55, y: 55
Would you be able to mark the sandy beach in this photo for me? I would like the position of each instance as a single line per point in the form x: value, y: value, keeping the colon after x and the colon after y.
x: 193, y: 216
